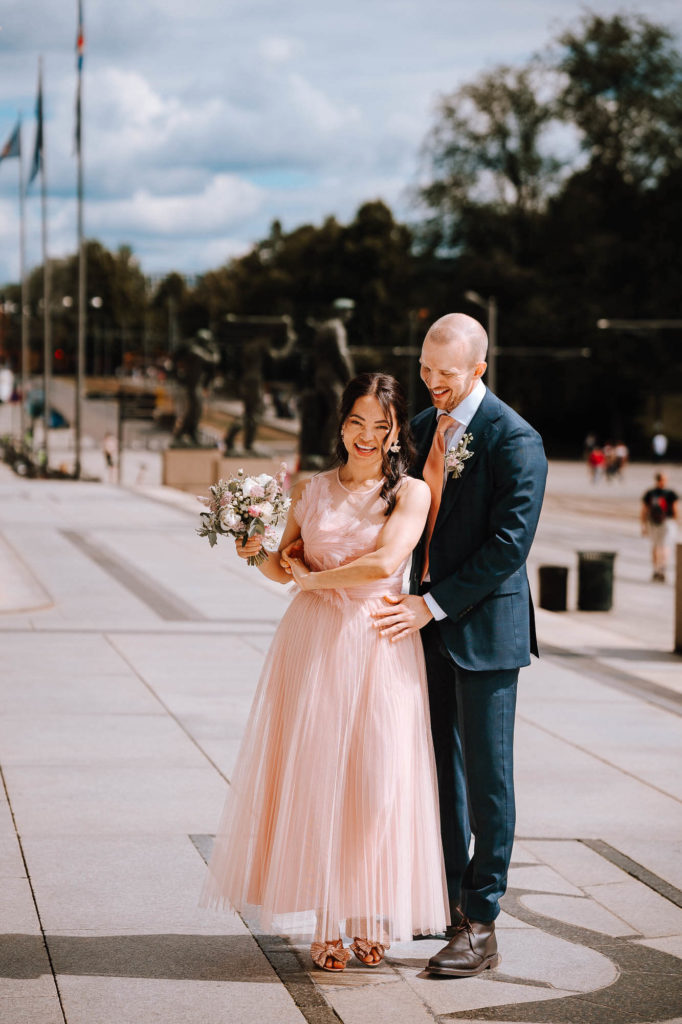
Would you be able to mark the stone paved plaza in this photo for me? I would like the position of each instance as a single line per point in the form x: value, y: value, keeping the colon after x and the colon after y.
x: 129, y: 654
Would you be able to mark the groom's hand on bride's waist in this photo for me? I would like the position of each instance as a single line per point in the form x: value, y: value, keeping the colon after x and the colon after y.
x: 402, y: 615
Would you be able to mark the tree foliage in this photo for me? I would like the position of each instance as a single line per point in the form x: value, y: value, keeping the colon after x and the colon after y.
x: 622, y: 88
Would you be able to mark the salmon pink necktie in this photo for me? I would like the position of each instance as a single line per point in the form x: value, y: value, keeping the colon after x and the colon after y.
x: 434, y: 467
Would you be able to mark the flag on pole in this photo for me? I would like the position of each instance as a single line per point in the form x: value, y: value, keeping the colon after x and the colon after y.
x: 80, y: 50
x: 37, y: 161
x: 13, y: 145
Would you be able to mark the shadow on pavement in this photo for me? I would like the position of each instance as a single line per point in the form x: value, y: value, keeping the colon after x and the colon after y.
x: 172, y: 957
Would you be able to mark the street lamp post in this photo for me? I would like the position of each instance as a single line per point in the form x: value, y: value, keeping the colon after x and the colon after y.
x: 490, y: 307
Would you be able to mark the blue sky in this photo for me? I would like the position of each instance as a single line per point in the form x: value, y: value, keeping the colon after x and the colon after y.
x: 207, y: 119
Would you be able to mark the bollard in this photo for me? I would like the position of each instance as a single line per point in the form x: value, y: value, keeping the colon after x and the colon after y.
x: 595, y: 580
x: 553, y: 581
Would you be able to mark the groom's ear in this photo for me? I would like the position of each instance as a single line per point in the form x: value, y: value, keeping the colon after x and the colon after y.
x: 479, y: 369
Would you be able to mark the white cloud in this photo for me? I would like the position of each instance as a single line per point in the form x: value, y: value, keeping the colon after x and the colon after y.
x: 279, y: 49
x: 226, y: 201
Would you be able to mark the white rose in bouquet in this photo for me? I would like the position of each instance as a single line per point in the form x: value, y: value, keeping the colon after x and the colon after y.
x: 230, y: 520
x: 253, y: 488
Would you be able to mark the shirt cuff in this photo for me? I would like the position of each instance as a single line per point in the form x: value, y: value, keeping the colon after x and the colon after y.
x: 435, y: 608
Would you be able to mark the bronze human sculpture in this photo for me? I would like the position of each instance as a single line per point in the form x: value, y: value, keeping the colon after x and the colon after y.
x: 194, y: 363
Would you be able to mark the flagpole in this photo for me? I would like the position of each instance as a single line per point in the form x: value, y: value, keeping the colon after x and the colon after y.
x: 82, y: 299
x: 47, y: 319
x: 24, y: 299
x: 82, y: 266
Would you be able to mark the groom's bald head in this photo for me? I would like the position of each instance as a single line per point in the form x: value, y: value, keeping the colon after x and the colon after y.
x: 462, y: 330
x: 453, y: 359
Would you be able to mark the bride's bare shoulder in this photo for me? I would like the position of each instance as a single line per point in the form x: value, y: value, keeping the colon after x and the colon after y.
x: 414, y: 490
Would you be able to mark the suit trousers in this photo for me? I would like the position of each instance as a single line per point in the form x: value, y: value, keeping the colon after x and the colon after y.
x: 472, y: 722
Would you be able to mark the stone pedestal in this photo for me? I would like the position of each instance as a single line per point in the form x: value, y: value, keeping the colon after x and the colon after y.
x: 195, y: 469
x: 190, y: 469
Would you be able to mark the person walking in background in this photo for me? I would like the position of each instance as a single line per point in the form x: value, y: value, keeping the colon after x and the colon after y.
x: 659, y: 515
x: 110, y: 452
x: 622, y: 456
x: 595, y: 463
x: 469, y: 596
x: 659, y: 445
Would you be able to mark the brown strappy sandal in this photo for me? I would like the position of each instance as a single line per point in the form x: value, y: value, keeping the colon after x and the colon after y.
x: 362, y: 948
x: 332, y: 949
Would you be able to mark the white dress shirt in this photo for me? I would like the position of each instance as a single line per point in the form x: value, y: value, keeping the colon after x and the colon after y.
x: 463, y: 414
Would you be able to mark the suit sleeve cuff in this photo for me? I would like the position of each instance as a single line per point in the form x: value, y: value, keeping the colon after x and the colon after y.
x: 435, y: 608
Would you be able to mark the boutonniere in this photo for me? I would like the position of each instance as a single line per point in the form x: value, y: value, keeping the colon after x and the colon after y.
x: 456, y: 457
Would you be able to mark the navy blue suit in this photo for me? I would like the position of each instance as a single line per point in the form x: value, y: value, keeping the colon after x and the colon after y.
x: 481, y: 538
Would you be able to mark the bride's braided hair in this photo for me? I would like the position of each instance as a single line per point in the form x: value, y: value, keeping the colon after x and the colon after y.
x: 391, y: 398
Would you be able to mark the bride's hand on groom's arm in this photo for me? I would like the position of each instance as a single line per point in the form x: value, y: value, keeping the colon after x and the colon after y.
x: 403, y: 614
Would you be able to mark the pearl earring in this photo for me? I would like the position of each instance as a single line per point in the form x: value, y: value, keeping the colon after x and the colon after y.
x: 395, y: 448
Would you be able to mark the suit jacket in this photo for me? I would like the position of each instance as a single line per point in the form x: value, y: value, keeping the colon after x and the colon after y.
x: 481, y: 538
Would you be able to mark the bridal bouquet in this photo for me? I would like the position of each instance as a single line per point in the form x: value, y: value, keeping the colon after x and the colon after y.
x: 244, y: 506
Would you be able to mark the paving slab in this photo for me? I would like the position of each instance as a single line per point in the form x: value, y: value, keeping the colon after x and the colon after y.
x: 114, y: 799
x: 541, y: 878
x: 122, y: 884
x: 20, y: 589
x: 129, y: 1001
x: 649, y: 913
x: 579, y: 912
x: 576, y: 862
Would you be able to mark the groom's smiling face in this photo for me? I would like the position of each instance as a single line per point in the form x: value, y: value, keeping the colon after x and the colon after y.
x: 449, y: 369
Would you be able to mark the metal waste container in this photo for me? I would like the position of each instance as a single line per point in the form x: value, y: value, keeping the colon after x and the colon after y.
x: 553, y: 584
x: 595, y: 580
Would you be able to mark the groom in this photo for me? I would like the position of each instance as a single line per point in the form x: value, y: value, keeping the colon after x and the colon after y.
x: 469, y: 597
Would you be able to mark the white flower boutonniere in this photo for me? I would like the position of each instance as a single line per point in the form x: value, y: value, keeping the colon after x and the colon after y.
x: 456, y: 457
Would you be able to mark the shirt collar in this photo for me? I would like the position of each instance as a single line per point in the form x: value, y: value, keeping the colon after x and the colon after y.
x: 468, y: 407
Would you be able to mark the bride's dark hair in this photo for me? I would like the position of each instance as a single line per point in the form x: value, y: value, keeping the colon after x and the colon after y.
x: 391, y: 398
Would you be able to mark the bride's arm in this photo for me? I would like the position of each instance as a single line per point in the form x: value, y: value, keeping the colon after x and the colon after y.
x: 272, y: 567
x: 396, y: 541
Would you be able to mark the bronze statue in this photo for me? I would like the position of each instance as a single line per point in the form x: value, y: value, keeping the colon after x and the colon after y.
x: 331, y: 369
x: 257, y: 354
x: 194, y: 364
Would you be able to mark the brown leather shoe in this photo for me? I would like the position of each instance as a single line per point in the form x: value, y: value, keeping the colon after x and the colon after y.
x: 470, y: 951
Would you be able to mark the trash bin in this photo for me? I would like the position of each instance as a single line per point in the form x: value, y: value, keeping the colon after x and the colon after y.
x: 595, y: 580
x: 553, y: 581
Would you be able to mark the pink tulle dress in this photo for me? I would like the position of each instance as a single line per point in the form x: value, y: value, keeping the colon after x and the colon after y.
x: 331, y: 825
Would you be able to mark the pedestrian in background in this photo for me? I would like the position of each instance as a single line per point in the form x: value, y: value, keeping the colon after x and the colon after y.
x: 110, y: 451
x: 659, y: 514
x: 595, y: 463
x: 622, y: 454
x: 659, y: 445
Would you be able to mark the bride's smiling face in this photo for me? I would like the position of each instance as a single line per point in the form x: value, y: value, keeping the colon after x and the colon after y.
x: 366, y: 430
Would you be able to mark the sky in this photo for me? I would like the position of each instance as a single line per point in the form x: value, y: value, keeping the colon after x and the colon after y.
x: 204, y: 120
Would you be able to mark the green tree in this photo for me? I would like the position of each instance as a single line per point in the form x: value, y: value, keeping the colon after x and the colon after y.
x: 622, y: 88
x: 486, y: 149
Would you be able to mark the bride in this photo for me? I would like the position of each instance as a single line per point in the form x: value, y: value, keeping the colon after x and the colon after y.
x: 331, y: 825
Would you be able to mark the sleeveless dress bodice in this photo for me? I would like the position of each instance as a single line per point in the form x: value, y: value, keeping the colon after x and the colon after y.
x: 339, y: 525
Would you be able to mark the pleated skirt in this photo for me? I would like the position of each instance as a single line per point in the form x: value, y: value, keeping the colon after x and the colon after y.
x: 331, y: 825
